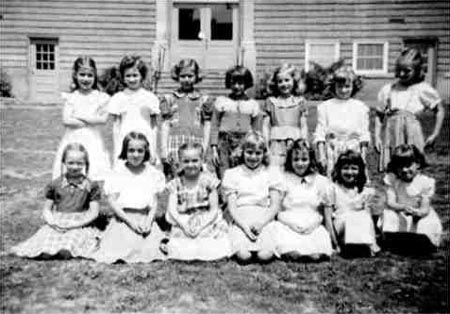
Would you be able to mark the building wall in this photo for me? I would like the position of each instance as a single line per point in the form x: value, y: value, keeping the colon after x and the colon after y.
x: 283, y: 26
x: 103, y: 29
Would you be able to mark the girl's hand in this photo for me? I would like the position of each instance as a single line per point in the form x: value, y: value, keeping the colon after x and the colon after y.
x: 430, y: 140
x: 215, y: 156
x: 378, y: 144
x: 249, y: 233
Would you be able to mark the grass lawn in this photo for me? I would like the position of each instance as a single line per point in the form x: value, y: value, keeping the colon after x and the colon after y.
x: 388, y: 283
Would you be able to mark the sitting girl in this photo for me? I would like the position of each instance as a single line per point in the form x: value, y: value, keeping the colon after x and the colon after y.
x: 352, y: 224
x: 252, y: 192
x: 298, y: 229
x: 132, y: 236
x: 198, y: 228
x: 71, y: 206
x: 408, y: 196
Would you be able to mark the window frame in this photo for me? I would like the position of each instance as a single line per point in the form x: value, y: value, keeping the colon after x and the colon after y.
x: 374, y: 72
x: 308, y: 43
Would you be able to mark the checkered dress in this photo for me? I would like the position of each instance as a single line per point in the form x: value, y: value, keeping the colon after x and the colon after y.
x: 79, y: 242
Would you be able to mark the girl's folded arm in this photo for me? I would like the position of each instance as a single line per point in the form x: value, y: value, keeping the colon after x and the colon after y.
x: 69, y: 119
x: 391, y: 201
x: 90, y: 215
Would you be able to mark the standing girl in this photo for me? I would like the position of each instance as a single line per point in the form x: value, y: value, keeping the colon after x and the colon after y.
x: 400, y: 103
x: 252, y: 193
x: 342, y: 122
x: 134, y: 108
x: 71, y: 206
x: 298, y: 229
x: 198, y: 228
x: 83, y: 115
x: 233, y: 117
x: 186, y: 115
x: 408, y: 196
x: 284, y: 113
x: 352, y: 223
x: 132, y: 236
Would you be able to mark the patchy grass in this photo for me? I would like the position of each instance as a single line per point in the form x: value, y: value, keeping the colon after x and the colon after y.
x: 385, y: 284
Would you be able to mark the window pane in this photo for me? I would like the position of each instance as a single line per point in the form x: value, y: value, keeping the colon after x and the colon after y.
x: 188, y: 24
x: 323, y: 54
x: 221, y: 22
x: 370, y: 57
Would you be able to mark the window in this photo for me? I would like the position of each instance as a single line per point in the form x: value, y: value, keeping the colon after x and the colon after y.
x: 323, y: 53
x: 43, y: 54
x: 189, y: 24
x: 221, y: 22
x: 370, y: 58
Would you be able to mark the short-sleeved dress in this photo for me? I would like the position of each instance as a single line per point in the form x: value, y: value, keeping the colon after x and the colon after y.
x: 302, y: 197
x: 352, y: 218
x: 399, y: 108
x: 71, y: 199
x: 212, y: 242
x: 252, y: 189
x: 410, y: 193
x: 285, y: 119
x: 90, y: 136
x: 135, y: 193
x: 232, y: 119
x: 341, y: 125
x: 186, y: 114
x: 135, y: 109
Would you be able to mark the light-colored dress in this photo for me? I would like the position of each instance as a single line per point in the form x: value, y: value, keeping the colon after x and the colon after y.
x: 135, y: 193
x: 411, y: 193
x: 231, y: 120
x: 302, y: 197
x: 400, y: 108
x: 212, y: 242
x: 90, y: 136
x: 341, y: 125
x: 134, y: 109
x: 71, y: 199
x: 285, y: 119
x: 252, y: 189
x: 352, y: 218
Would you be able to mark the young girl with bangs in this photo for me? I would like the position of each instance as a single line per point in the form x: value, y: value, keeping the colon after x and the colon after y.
x: 252, y: 193
x: 285, y: 112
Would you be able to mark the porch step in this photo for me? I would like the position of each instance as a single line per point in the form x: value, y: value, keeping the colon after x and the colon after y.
x: 213, y: 83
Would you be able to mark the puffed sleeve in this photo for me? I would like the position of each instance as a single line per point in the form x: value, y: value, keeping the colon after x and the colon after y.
x: 321, y: 127
x: 229, y: 182
x: 50, y: 190
x: 389, y: 180
x: 207, y: 108
x: 428, y: 186
x: 152, y: 103
x: 171, y: 187
x: 166, y: 106
x: 276, y: 180
x: 428, y: 96
x: 369, y: 199
x: 115, y: 105
x: 326, y: 191
x: 256, y: 111
x: 365, y: 133
x: 211, y: 181
x: 383, y: 96
x: 159, y: 181
x: 94, y: 192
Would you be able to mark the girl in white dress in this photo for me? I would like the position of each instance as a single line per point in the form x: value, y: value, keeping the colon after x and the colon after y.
x: 134, y: 108
x: 132, y: 235
x: 199, y: 231
x: 83, y: 115
x: 352, y: 223
x: 299, y: 233
x: 252, y: 193
x: 342, y: 122
x: 408, y: 196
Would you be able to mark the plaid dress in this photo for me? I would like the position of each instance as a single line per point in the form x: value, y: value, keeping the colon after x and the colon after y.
x: 71, y: 201
x: 193, y: 208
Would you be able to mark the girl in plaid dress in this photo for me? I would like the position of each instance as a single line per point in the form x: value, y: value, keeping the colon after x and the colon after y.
x: 186, y: 115
x: 284, y: 113
x: 401, y: 103
x: 132, y: 235
x: 233, y: 117
x: 70, y: 208
x: 199, y: 231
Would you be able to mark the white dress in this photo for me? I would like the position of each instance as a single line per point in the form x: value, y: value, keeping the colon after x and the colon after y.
x: 90, y: 136
x: 252, y: 188
x: 341, y: 125
x: 300, y: 206
x: 410, y: 193
x: 352, y: 216
x: 133, y: 192
x: 135, y: 109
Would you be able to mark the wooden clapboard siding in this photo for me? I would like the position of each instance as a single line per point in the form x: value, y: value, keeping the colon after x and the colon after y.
x: 103, y: 29
x: 288, y: 24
